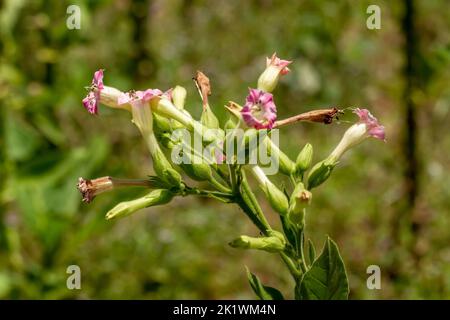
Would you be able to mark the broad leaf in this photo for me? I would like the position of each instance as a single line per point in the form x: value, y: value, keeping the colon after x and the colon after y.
x: 262, y: 291
x: 327, y: 279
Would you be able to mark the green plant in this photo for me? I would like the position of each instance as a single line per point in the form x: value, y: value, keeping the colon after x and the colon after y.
x: 222, y: 157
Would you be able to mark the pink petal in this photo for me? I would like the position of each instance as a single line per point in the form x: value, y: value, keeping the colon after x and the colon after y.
x: 279, y: 63
x: 90, y: 103
x: 374, y: 128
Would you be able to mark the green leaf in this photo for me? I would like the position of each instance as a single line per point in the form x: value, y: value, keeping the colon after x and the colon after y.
x: 262, y: 291
x: 327, y: 279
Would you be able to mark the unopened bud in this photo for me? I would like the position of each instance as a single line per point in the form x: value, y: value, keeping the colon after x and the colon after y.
x: 179, y: 97
x: 270, y: 244
x: 162, y: 124
x: 299, y: 200
x: 164, y: 169
x: 277, y: 199
x: 230, y: 124
x: 208, y: 119
x: 154, y: 198
x: 320, y: 173
x: 197, y: 169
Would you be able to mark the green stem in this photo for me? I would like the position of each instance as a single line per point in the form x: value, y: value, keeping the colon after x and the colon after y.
x: 301, y: 250
x: 254, y: 202
x: 291, y: 266
x: 219, y: 186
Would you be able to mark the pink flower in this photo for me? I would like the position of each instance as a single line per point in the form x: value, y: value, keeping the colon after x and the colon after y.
x: 90, y: 102
x: 279, y: 63
x: 259, y: 110
x: 374, y: 129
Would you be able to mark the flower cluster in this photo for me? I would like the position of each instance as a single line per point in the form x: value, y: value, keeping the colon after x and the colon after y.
x: 158, y: 115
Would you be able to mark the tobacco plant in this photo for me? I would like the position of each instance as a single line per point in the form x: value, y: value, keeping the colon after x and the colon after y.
x: 222, y: 158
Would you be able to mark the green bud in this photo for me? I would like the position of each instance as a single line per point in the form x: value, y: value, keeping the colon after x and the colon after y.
x: 164, y: 170
x: 304, y: 159
x: 179, y: 97
x: 320, y: 173
x: 230, y: 124
x: 208, y: 119
x: 161, y: 123
x: 154, y: 198
x: 198, y: 170
x: 269, y: 244
x: 286, y: 165
x: 299, y: 200
x: 277, y: 199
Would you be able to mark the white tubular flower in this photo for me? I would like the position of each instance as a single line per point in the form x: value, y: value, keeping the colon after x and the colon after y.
x: 368, y: 126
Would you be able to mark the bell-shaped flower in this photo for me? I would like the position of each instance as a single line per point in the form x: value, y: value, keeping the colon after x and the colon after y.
x: 367, y: 126
x: 259, y: 110
x: 99, y: 93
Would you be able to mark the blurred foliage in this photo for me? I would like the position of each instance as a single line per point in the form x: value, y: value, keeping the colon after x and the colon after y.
x: 180, y: 251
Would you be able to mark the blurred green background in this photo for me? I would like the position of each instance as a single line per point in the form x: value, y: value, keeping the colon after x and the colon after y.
x: 387, y: 204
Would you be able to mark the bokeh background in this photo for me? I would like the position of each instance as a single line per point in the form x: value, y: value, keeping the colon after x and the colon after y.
x: 386, y: 204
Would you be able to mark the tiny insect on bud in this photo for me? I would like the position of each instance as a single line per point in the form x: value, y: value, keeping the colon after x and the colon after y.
x: 154, y: 198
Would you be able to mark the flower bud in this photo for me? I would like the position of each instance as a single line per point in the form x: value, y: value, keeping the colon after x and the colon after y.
x: 230, y: 124
x: 179, y: 97
x: 320, y: 172
x: 208, y: 119
x: 299, y: 200
x: 286, y: 165
x: 269, y: 244
x: 277, y: 199
x: 304, y: 159
x: 161, y: 124
x: 154, y: 198
x: 275, y: 67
